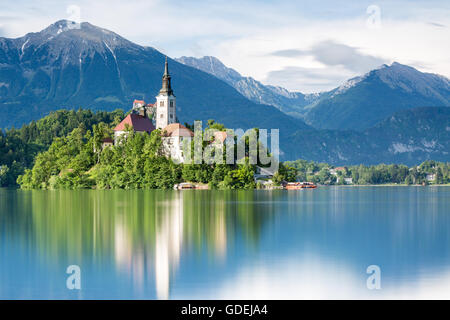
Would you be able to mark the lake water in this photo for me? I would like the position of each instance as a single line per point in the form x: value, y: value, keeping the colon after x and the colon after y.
x: 146, y: 244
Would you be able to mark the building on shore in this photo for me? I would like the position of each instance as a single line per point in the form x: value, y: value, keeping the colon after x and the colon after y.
x: 137, y: 104
x: 173, y: 137
x: 142, y: 108
x: 160, y: 115
x: 107, y: 142
x: 135, y: 122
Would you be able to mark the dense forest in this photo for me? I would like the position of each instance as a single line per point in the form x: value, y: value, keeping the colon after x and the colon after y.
x: 64, y: 150
x: 19, y: 147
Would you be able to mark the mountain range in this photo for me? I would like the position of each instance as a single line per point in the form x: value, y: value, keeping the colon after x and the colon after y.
x: 70, y: 65
x: 357, y: 104
x: 363, y: 101
x: 392, y: 114
x: 291, y: 103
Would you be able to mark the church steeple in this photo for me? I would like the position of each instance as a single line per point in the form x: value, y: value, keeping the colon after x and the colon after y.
x: 166, y: 68
x: 166, y: 88
x: 165, y: 102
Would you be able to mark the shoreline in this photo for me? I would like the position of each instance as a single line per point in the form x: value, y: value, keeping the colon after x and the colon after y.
x: 388, y: 185
x: 262, y: 189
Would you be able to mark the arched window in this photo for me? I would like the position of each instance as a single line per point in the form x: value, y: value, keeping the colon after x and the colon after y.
x: 161, y: 103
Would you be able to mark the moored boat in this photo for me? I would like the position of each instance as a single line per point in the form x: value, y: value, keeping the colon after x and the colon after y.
x: 299, y: 185
x: 184, y: 186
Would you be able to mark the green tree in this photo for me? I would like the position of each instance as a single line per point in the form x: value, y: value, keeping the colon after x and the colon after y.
x: 285, y: 173
x: 409, y: 180
x: 439, y: 179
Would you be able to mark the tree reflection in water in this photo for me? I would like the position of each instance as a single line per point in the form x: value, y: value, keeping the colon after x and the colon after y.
x: 140, y: 234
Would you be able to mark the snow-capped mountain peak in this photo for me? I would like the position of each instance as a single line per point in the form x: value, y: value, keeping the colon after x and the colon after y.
x: 406, y: 78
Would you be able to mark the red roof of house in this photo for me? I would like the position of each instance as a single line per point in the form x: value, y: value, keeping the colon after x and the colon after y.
x: 220, y: 136
x: 139, y: 101
x: 138, y: 122
x: 177, y: 130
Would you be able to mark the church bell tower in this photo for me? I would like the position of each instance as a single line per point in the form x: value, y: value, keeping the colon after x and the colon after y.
x: 165, y: 102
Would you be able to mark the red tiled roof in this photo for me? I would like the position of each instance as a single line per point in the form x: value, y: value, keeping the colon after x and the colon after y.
x: 138, y: 122
x: 139, y: 101
x: 220, y: 136
x: 177, y: 130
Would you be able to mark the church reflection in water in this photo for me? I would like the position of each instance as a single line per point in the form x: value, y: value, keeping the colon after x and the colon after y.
x: 169, y: 240
x: 147, y: 244
x: 162, y: 258
x: 136, y: 242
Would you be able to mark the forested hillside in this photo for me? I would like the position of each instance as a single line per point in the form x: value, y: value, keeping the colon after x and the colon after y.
x: 19, y: 147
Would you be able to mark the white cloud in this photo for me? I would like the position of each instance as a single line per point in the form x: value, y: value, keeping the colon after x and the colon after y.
x: 331, y: 53
x: 311, y: 79
x: 339, y: 63
x: 243, y: 33
x: 316, y: 277
x: 407, y: 42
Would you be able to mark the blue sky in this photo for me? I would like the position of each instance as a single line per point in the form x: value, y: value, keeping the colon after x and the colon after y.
x: 305, y: 45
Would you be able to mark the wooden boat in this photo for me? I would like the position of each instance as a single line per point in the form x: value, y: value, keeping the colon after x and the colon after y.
x: 299, y: 185
x: 184, y: 186
x: 308, y: 185
x: 191, y: 186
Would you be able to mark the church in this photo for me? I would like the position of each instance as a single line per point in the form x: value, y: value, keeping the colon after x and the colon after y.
x: 160, y: 115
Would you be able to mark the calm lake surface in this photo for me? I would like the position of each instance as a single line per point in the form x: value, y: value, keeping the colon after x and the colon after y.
x: 276, y: 244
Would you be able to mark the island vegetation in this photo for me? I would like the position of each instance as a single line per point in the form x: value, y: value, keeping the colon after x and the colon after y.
x: 19, y: 147
x: 64, y: 150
